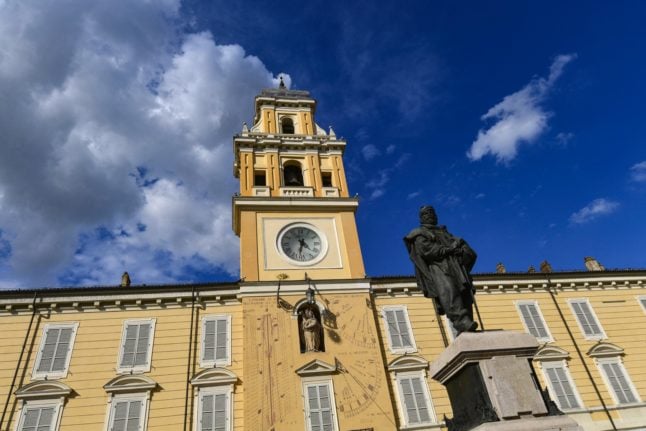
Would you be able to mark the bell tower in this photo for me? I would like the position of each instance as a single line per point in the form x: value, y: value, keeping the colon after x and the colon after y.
x: 293, y: 213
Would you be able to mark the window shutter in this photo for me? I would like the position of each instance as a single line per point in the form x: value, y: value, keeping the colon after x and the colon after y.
x: 533, y: 320
x: 414, y: 399
x: 136, y: 345
x: 127, y: 416
x: 397, y: 327
x: 207, y: 412
x: 120, y: 416
x: 562, y: 388
x: 320, y: 408
x: 402, y: 327
x: 586, y: 319
x: 209, y: 341
x: 143, y: 341
x: 38, y: 419
x: 49, y: 348
x: 62, y: 349
x: 134, y: 415
x: 619, y: 384
x: 422, y: 408
x: 409, y: 401
x: 395, y: 339
x: 220, y: 422
x: 221, y: 336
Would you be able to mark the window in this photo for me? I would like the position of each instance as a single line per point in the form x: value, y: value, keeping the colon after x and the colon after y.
x: 414, y: 399
x: 560, y: 384
x: 287, y: 125
x: 136, y: 346
x: 320, y: 411
x: 259, y: 178
x: 214, y: 399
x: 532, y: 318
x: 129, y: 401
x: 326, y: 178
x: 642, y: 301
x: 39, y: 417
x: 617, y: 380
x: 55, y: 351
x: 128, y: 412
x: 293, y: 175
x: 216, y: 341
x: 400, y: 333
x: 42, y: 405
x: 587, y: 319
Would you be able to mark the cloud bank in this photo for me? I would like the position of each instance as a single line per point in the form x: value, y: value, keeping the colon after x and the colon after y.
x: 518, y: 119
x: 593, y: 210
x: 115, y: 143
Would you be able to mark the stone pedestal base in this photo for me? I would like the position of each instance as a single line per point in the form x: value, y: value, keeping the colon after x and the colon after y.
x: 492, y: 385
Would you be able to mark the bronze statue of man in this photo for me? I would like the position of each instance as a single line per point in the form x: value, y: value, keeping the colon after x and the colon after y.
x: 442, y: 264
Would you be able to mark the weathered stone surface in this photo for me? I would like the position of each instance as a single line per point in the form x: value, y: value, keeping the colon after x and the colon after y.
x: 547, y: 423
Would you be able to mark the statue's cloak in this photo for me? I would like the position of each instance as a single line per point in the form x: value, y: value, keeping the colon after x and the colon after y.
x: 446, y: 272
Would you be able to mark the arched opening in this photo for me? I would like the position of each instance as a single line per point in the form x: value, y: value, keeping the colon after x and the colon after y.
x: 287, y: 125
x: 293, y: 174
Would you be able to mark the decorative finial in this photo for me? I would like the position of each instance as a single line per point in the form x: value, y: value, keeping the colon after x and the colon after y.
x: 245, y: 129
x: 545, y: 266
x: 500, y: 268
x: 282, y: 83
x: 531, y: 269
x: 332, y: 134
x: 125, y: 280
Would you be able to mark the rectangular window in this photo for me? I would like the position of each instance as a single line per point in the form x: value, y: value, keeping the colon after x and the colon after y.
x: 560, y: 385
x: 128, y: 413
x: 642, y: 301
x: 320, y: 409
x: 587, y: 319
x: 215, y: 409
x: 415, y: 399
x: 55, y: 351
x: 216, y: 341
x: 618, y: 381
x: 38, y: 417
x: 259, y: 178
x: 136, y: 345
x: 532, y: 318
x: 326, y: 178
x: 400, y: 333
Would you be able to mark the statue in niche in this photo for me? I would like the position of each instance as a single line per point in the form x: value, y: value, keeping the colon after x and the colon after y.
x: 442, y: 264
x: 311, y: 331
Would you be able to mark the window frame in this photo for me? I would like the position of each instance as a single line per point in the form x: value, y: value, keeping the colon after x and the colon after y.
x: 560, y: 363
x: 319, y: 380
x: 57, y: 375
x: 617, y: 360
x: 642, y: 302
x: 56, y: 403
x: 214, y: 390
x: 141, y: 368
x: 549, y: 338
x: 208, y: 363
x: 401, y: 403
x: 399, y: 350
x: 602, y: 335
x: 143, y: 397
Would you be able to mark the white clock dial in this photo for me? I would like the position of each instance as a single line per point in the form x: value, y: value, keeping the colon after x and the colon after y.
x: 301, y: 244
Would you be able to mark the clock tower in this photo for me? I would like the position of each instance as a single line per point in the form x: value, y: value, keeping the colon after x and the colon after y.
x: 293, y: 214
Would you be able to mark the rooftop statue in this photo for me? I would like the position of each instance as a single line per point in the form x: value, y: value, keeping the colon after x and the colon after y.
x: 442, y: 264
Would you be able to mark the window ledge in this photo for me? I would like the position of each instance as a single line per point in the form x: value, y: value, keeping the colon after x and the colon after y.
x: 431, y: 425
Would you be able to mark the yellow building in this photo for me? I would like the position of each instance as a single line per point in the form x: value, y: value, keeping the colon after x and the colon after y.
x: 235, y: 356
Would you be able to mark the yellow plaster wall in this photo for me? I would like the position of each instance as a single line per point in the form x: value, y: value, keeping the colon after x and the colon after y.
x: 94, y: 360
x: 273, y: 393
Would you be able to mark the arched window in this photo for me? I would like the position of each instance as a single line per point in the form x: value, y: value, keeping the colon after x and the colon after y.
x: 293, y: 174
x: 287, y: 125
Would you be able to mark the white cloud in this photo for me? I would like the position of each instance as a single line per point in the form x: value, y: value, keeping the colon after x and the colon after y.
x: 116, y: 146
x: 480, y: 195
x: 390, y: 149
x: 638, y: 172
x: 413, y: 195
x: 519, y: 117
x: 593, y: 210
x: 370, y: 151
x: 563, y: 138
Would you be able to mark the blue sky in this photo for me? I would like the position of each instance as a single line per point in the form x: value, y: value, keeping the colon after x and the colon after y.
x: 522, y: 122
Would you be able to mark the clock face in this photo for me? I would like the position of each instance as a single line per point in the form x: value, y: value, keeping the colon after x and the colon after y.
x: 302, y: 244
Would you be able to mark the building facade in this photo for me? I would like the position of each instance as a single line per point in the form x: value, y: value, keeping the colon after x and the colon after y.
x: 243, y: 355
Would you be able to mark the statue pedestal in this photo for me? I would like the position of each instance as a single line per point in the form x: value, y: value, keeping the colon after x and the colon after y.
x: 492, y: 385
